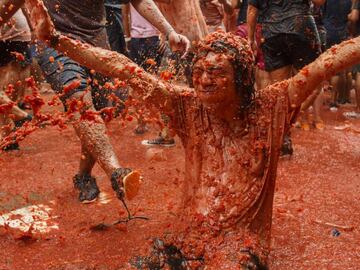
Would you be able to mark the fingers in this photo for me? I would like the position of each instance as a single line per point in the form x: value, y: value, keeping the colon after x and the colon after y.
x: 162, y: 48
x: 179, y: 42
x: 187, y: 47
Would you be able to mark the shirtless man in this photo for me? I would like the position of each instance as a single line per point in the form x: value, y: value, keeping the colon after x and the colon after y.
x: 214, y: 12
x: 231, y: 135
x: 86, y: 23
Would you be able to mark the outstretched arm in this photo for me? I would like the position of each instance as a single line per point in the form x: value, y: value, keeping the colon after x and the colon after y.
x: 151, y: 12
x: 334, y: 60
x: 115, y: 65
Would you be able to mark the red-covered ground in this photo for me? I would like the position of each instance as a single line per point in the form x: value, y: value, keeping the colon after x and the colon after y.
x: 318, y: 189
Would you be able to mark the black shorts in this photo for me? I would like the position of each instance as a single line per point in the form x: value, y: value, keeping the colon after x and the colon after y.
x: 289, y: 50
x: 334, y: 37
x: 8, y: 49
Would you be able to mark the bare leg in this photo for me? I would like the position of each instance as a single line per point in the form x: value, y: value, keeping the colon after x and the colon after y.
x: 18, y: 74
x: 334, y: 82
x: 357, y: 91
x: 348, y: 86
x: 280, y: 74
x: 94, y: 139
x: 10, y: 74
x: 338, y: 83
x: 87, y: 162
x: 6, y: 125
x: 262, y: 79
x: 276, y: 76
x: 15, y: 110
x: 315, y: 100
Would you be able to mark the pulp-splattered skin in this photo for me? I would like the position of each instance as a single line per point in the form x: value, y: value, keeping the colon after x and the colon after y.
x: 189, y: 11
x: 231, y: 165
x: 95, y: 143
x: 219, y: 184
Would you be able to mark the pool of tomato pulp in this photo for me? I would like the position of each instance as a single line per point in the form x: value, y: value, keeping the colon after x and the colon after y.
x: 316, y: 214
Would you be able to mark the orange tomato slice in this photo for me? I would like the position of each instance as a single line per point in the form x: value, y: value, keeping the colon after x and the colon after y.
x: 131, y: 184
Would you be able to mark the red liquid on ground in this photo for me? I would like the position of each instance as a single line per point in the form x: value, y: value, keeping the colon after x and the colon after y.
x: 318, y: 185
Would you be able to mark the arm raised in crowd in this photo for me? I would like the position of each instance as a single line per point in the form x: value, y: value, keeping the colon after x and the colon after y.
x: 334, y: 60
x: 252, y: 14
x: 151, y: 12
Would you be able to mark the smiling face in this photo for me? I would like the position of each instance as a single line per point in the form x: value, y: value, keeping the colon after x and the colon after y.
x: 213, y: 79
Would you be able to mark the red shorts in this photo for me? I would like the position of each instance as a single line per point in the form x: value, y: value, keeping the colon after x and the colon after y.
x: 242, y: 31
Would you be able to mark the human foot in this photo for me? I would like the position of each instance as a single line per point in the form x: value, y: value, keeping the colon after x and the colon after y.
x: 88, y: 188
x: 125, y: 183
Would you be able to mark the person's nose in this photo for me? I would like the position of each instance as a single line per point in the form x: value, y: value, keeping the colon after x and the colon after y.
x: 205, y: 79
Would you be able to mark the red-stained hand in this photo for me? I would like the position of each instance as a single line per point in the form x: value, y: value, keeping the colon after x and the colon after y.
x: 179, y: 43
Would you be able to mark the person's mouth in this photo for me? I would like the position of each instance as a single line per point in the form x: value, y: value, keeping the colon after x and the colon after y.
x: 208, y: 89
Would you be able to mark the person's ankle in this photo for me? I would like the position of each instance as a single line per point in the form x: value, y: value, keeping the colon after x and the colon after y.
x: 117, y: 178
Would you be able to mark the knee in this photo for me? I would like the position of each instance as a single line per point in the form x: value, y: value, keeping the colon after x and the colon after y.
x: 82, y: 98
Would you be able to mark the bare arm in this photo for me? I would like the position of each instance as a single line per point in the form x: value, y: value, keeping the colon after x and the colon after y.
x: 8, y: 8
x: 252, y: 14
x: 227, y: 4
x: 112, y: 64
x: 334, y: 60
x: 153, y: 90
x: 151, y: 12
x: 126, y: 19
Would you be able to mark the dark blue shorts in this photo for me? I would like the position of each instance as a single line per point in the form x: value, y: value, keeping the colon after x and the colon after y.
x: 60, y: 70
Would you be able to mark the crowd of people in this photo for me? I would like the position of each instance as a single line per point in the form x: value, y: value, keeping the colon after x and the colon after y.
x: 230, y: 78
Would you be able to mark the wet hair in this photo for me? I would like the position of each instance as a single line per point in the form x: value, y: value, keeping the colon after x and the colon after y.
x: 240, y: 56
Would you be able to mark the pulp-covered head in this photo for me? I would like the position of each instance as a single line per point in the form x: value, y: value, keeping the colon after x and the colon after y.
x: 223, y: 69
